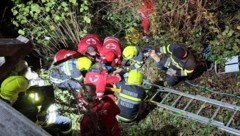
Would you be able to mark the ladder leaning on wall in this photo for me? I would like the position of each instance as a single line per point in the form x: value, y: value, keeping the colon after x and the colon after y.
x: 197, y: 115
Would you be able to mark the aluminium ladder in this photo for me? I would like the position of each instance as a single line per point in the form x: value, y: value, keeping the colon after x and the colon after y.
x: 196, y: 115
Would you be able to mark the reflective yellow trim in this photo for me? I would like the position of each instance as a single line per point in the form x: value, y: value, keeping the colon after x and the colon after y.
x: 164, y: 50
x: 186, y: 72
x: 175, y: 63
x: 129, y: 97
x: 122, y: 118
x: 79, y: 78
x: 52, y: 117
x: 168, y: 49
x: 67, y: 68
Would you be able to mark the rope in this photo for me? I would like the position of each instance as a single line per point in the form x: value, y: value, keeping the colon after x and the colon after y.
x: 211, y: 90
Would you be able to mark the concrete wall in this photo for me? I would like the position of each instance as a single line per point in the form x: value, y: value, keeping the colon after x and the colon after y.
x: 13, y: 123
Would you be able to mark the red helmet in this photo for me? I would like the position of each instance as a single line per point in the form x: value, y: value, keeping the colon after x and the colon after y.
x: 64, y: 54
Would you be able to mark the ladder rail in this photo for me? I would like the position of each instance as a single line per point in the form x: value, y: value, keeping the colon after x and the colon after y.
x: 199, y: 118
x: 201, y: 98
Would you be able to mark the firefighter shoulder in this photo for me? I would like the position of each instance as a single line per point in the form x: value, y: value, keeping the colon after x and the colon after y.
x: 12, y: 86
x: 70, y: 69
x: 131, y: 96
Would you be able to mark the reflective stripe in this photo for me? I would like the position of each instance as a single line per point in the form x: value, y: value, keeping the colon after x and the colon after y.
x: 122, y: 118
x: 67, y: 70
x: 168, y: 49
x: 129, y: 97
x: 57, y: 80
x: 175, y: 63
x: 186, y: 72
x: 52, y: 117
x: 79, y: 78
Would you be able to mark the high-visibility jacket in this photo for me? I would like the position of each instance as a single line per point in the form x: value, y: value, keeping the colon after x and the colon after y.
x: 100, y: 80
x: 65, y: 54
x: 66, y: 71
x: 111, y: 44
x: 102, y: 119
x: 89, y: 40
x: 185, y: 66
x: 12, y: 86
x: 130, y: 101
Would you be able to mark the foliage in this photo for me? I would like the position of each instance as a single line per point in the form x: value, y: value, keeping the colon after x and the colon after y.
x: 51, y: 24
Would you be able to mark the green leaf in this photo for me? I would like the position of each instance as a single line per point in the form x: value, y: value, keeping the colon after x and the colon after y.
x: 230, y: 33
x: 43, y: 1
x: 52, y: 27
x: 73, y: 1
x: 236, y: 48
x: 47, y: 9
x: 15, y: 23
x: 15, y: 12
x: 81, y: 9
x: 238, y: 27
x: 87, y: 19
x: 21, y: 32
x: 35, y: 8
x: 64, y: 4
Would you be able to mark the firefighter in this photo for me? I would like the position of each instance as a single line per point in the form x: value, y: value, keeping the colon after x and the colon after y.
x: 99, y: 76
x: 69, y: 74
x: 99, y: 115
x: 131, y: 97
x: 178, y: 62
x: 90, y: 45
x: 11, y: 87
x: 132, y: 57
x: 111, y: 51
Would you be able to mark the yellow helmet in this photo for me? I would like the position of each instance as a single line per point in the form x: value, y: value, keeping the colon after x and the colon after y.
x: 12, y: 86
x: 135, y: 77
x: 129, y: 52
x: 84, y: 63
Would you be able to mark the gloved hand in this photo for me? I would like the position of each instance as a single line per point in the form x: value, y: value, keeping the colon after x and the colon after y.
x: 171, y: 72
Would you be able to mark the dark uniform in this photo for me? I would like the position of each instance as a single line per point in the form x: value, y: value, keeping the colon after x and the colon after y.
x: 184, y: 67
x: 130, y: 101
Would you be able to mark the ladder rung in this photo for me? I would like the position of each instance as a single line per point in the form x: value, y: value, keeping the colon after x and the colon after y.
x: 154, y: 95
x: 230, y: 120
x: 165, y: 97
x: 188, y: 104
x: 215, y: 113
x: 175, y: 102
x: 202, y: 106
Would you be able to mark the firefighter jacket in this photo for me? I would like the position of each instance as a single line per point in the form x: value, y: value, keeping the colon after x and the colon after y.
x: 89, y: 40
x: 185, y: 66
x: 66, y: 74
x: 111, y: 44
x: 100, y: 80
x: 101, y: 119
x: 130, y: 101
